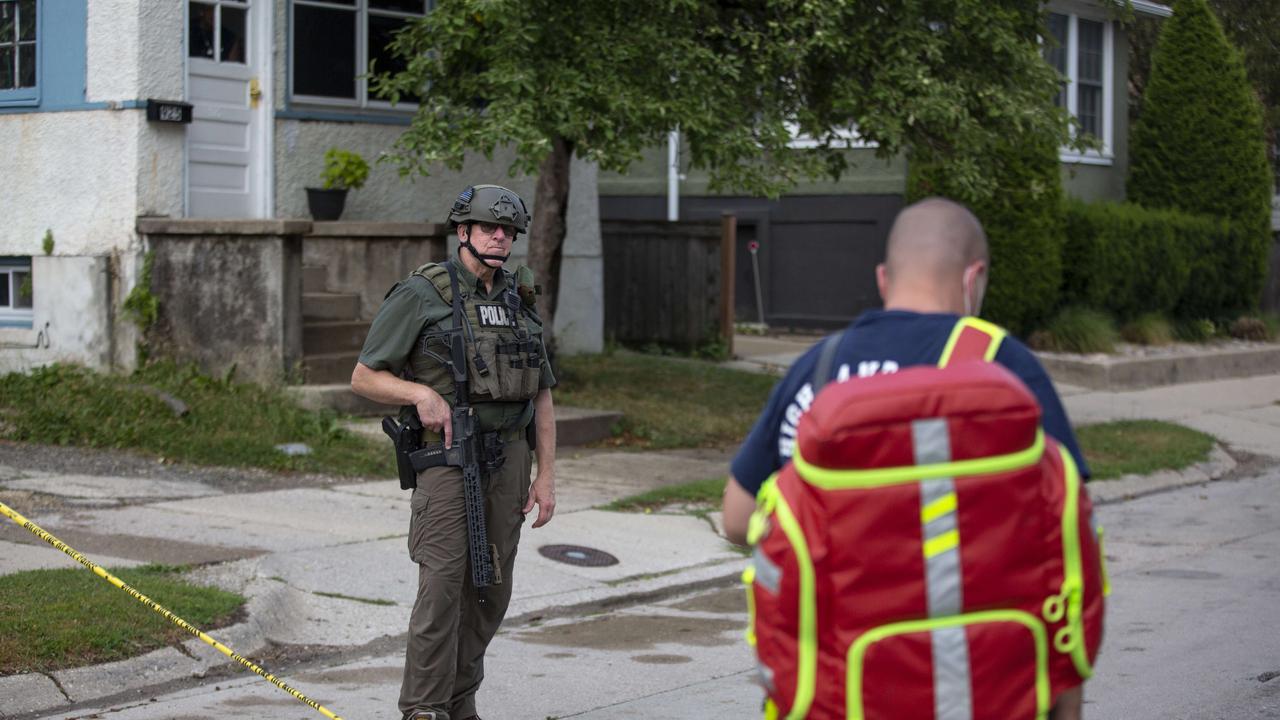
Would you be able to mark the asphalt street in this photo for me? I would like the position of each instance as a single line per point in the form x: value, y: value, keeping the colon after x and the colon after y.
x: 1190, y: 636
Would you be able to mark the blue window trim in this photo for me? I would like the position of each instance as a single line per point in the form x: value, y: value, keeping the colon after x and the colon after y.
x: 29, y: 96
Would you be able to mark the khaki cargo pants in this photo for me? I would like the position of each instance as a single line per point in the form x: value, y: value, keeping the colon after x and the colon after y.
x: 449, y: 630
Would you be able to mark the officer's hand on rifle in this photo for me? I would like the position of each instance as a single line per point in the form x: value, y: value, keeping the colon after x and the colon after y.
x: 435, y: 414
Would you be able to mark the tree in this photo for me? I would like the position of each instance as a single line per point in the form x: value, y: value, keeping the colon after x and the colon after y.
x: 1199, y: 147
x: 1254, y: 27
x: 605, y: 79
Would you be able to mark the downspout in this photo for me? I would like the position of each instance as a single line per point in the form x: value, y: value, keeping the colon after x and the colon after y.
x: 673, y: 176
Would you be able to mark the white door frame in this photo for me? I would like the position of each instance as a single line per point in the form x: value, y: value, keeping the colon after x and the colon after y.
x: 261, y: 23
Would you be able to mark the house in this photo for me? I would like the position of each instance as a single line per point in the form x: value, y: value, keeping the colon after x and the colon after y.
x: 130, y: 125
x: 846, y: 222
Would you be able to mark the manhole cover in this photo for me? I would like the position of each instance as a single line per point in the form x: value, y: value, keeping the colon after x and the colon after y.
x: 577, y: 555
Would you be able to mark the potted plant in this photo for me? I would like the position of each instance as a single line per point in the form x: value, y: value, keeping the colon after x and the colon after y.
x: 343, y: 171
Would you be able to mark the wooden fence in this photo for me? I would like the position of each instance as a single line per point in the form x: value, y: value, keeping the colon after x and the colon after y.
x: 666, y: 283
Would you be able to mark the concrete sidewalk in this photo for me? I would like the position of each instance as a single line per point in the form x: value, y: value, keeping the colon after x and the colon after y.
x: 326, y: 568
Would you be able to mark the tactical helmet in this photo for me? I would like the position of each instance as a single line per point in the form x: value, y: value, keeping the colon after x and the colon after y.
x: 490, y: 203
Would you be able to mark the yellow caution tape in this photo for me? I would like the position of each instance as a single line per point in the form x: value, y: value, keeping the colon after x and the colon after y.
x: 40, y: 533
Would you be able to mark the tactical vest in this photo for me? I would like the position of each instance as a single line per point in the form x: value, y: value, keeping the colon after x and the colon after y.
x: 928, y: 553
x: 503, y: 343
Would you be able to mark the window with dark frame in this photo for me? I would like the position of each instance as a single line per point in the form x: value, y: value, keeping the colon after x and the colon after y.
x: 218, y: 30
x: 336, y: 42
x: 17, y: 44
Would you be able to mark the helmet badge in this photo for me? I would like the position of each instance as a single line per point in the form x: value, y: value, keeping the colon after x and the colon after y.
x: 504, y: 209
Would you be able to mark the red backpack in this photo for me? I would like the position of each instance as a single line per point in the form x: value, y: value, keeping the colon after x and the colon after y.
x: 928, y: 553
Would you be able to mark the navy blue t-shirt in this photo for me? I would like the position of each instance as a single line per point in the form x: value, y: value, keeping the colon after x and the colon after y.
x: 882, y: 341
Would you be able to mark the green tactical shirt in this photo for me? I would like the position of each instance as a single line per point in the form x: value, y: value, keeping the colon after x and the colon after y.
x: 413, y: 305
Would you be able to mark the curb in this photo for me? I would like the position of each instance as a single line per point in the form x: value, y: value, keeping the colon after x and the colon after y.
x: 1129, y: 487
x: 1105, y: 372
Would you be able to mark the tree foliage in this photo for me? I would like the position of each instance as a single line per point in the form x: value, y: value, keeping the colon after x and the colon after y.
x: 604, y: 79
x: 1199, y: 146
x: 1023, y: 220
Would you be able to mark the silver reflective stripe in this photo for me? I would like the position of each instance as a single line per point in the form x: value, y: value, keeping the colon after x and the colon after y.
x: 942, y: 571
x: 768, y: 575
x: 952, y: 692
x: 952, y: 696
x: 764, y: 676
x: 931, y: 441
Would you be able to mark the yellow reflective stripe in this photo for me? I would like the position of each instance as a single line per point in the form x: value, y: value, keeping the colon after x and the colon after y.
x: 832, y: 479
x: 807, y: 643
x: 944, y: 542
x: 938, y: 508
x: 748, y: 579
x: 765, y: 499
x: 950, y: 347
x: 1073, y: 584
x: 995, y: 332
x: 770, y: 710
x: 857, y: 651
x: 1102, y: 563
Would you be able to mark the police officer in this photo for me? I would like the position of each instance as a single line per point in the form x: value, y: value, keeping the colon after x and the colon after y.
x: 402, y: 363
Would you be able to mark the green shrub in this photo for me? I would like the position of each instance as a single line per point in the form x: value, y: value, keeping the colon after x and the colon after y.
x: 1077, y: 330
x: 1194, y: 330
x: 1149, y: 329
x: 1130, y: 260
x: 1199, y: 146
x: 344, y: 169
x: 1024, y: 225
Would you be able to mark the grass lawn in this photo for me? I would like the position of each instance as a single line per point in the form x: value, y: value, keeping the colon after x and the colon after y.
x: 1140, y: 446
x: 1112, y: 449
x: 699, y: 492
x: 666, y: 402
x: 55, y: 619
x: 229, y: 423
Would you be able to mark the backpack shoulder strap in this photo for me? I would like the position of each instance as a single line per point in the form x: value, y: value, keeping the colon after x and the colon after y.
x: 972, y: 339
x: 826, y: 359
x: 438, y: 275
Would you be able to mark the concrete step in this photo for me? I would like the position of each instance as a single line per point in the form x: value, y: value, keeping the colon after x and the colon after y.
x: 329, y: 368
x: 315, y: 279
x: 335, y: 336
x: 338, y: 397
x: 330, y: 306
x: 574, y: 426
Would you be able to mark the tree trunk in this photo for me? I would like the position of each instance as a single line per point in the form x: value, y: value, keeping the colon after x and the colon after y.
x: 546, y: 235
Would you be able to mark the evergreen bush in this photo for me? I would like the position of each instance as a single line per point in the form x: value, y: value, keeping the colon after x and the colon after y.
x: 1024, y: 225
x: 1130, y: 260
x: 1199, y: 146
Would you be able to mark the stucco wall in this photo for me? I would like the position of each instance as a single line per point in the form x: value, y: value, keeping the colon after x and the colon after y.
x: 386, y: 197
x: 72, y: 318
x: 75, y: 173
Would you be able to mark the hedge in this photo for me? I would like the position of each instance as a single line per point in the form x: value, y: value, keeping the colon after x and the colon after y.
x: 1023, y: 221
x: 1129, y: 260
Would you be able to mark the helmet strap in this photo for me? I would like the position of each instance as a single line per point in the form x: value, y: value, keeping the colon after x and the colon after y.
x: 479, y: 255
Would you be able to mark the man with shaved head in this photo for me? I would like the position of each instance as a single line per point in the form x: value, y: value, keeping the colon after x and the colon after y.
x: 935, y: 272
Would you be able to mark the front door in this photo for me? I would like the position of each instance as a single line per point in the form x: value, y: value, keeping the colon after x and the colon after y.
x: 225, y: 143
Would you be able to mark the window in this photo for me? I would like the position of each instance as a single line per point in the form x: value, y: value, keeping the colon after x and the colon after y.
x: 334, y: 43
x: 15, y: 292
x: 217, y: 30
x: 19, y: 59
x: 1081, y: 50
